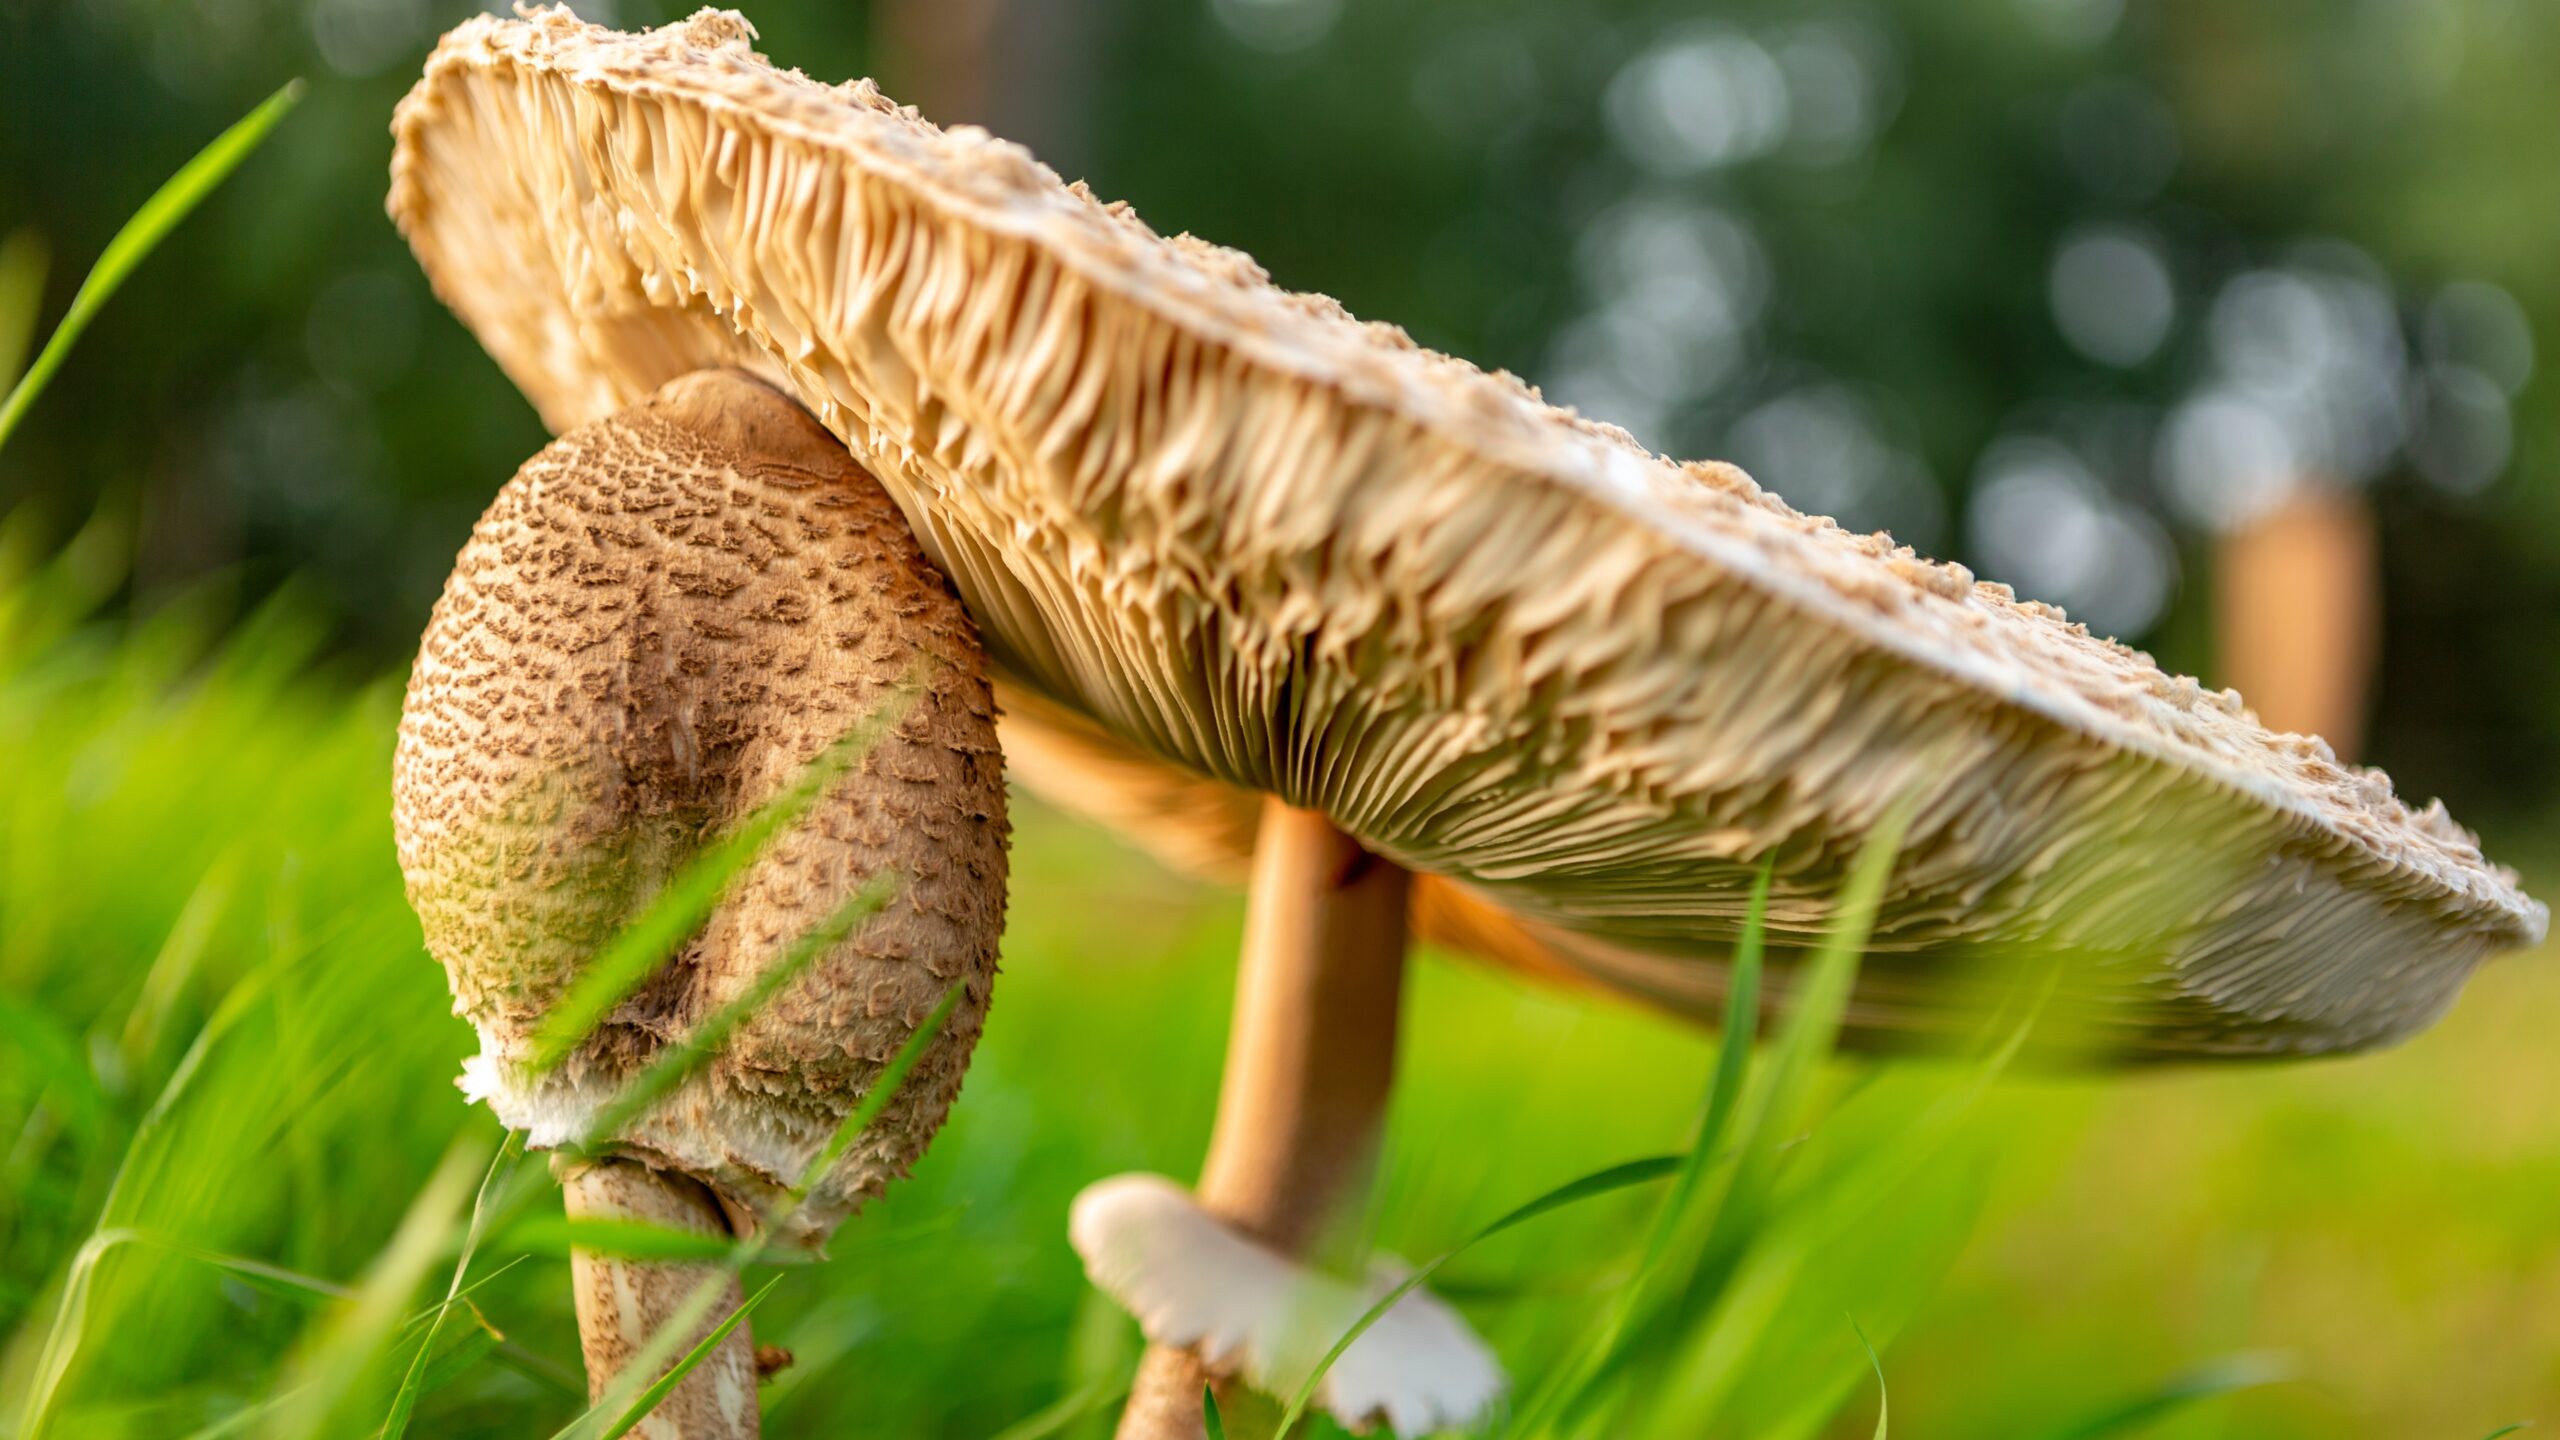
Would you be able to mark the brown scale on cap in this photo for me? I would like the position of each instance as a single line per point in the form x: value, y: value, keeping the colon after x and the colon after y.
x: 658, y: 624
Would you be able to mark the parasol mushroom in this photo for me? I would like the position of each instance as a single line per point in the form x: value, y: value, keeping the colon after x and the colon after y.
x: 1456, y: 662
x: 662, y: 621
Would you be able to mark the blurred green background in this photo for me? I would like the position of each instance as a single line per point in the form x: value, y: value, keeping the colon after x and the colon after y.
x: 2049, y: 286
x: 2071, y: 290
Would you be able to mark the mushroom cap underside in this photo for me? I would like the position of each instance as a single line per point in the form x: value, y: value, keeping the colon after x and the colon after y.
x: 1265, y: 547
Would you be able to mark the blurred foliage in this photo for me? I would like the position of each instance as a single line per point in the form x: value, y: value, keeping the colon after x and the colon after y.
x: 1945, y: 268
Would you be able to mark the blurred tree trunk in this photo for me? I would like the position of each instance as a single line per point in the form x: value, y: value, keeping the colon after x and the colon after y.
x: 1021, y: 68
x: 2298, y: 613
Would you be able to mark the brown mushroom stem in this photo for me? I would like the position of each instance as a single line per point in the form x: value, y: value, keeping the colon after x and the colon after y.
x: 623, y: 1302
x: 1310, y: 1059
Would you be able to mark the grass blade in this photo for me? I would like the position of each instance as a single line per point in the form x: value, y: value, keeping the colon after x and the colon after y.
x: 1059, y: 1418
x: 1572, y: 1192
x: 1804, y: 1040
x: 557, y: 1235
x: 181, y: 954
x: 344, y: 1349
x: 415, y: 1383
x: 615, y: 1405
x: 22, y: 266
x: 1721, y: 1352
x: 1884, y: 1399
x: 257, y: 1274
x: 619, y: 1396
x: 678, y: 1062
x: 892, y: 1077
x: 2204, y: 1382
x: 470, y: 1348
x: 1602, y: 1354
x: 667, y: 1383
x: 239, y: 1421
x: 1733, y: 1060
x: 1211, y: 1420
x: 63, y: 1339
x: 644, y: 945
x: 159, y: 215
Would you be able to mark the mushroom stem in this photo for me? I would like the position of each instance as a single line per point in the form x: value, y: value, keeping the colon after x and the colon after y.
x: 622, y: 1302
x: 1310, y: 1059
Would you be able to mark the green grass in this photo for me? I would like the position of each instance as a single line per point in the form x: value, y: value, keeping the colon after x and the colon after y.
x: 237, y: 1156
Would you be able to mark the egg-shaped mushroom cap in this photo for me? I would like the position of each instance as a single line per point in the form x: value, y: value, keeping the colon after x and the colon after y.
x: 1260, y: 543
x: 668, y: 621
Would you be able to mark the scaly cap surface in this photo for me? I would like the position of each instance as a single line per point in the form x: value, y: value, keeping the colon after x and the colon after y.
x: 660, y: 623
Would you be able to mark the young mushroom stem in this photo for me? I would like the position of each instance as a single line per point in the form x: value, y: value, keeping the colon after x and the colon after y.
x: 623, y: 1303
x: 1310, y: 1060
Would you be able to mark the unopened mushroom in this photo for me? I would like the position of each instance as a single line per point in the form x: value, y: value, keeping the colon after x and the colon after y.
x: 662, y: 622
x: 1300, y: 601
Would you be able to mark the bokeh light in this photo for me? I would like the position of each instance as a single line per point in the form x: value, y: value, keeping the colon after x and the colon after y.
x: 2112, y: 294
x: 2045, y: 524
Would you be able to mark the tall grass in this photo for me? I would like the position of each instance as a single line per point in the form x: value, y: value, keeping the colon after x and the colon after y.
x: 241, y: 1159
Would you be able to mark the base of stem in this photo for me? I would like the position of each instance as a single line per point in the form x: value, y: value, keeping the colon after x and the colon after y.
x: 623, y: 1302
x: 1310, y: 1060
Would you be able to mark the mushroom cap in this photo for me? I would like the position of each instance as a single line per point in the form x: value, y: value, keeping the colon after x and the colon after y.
x: 1269, y: 548
x: 654, y: 631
